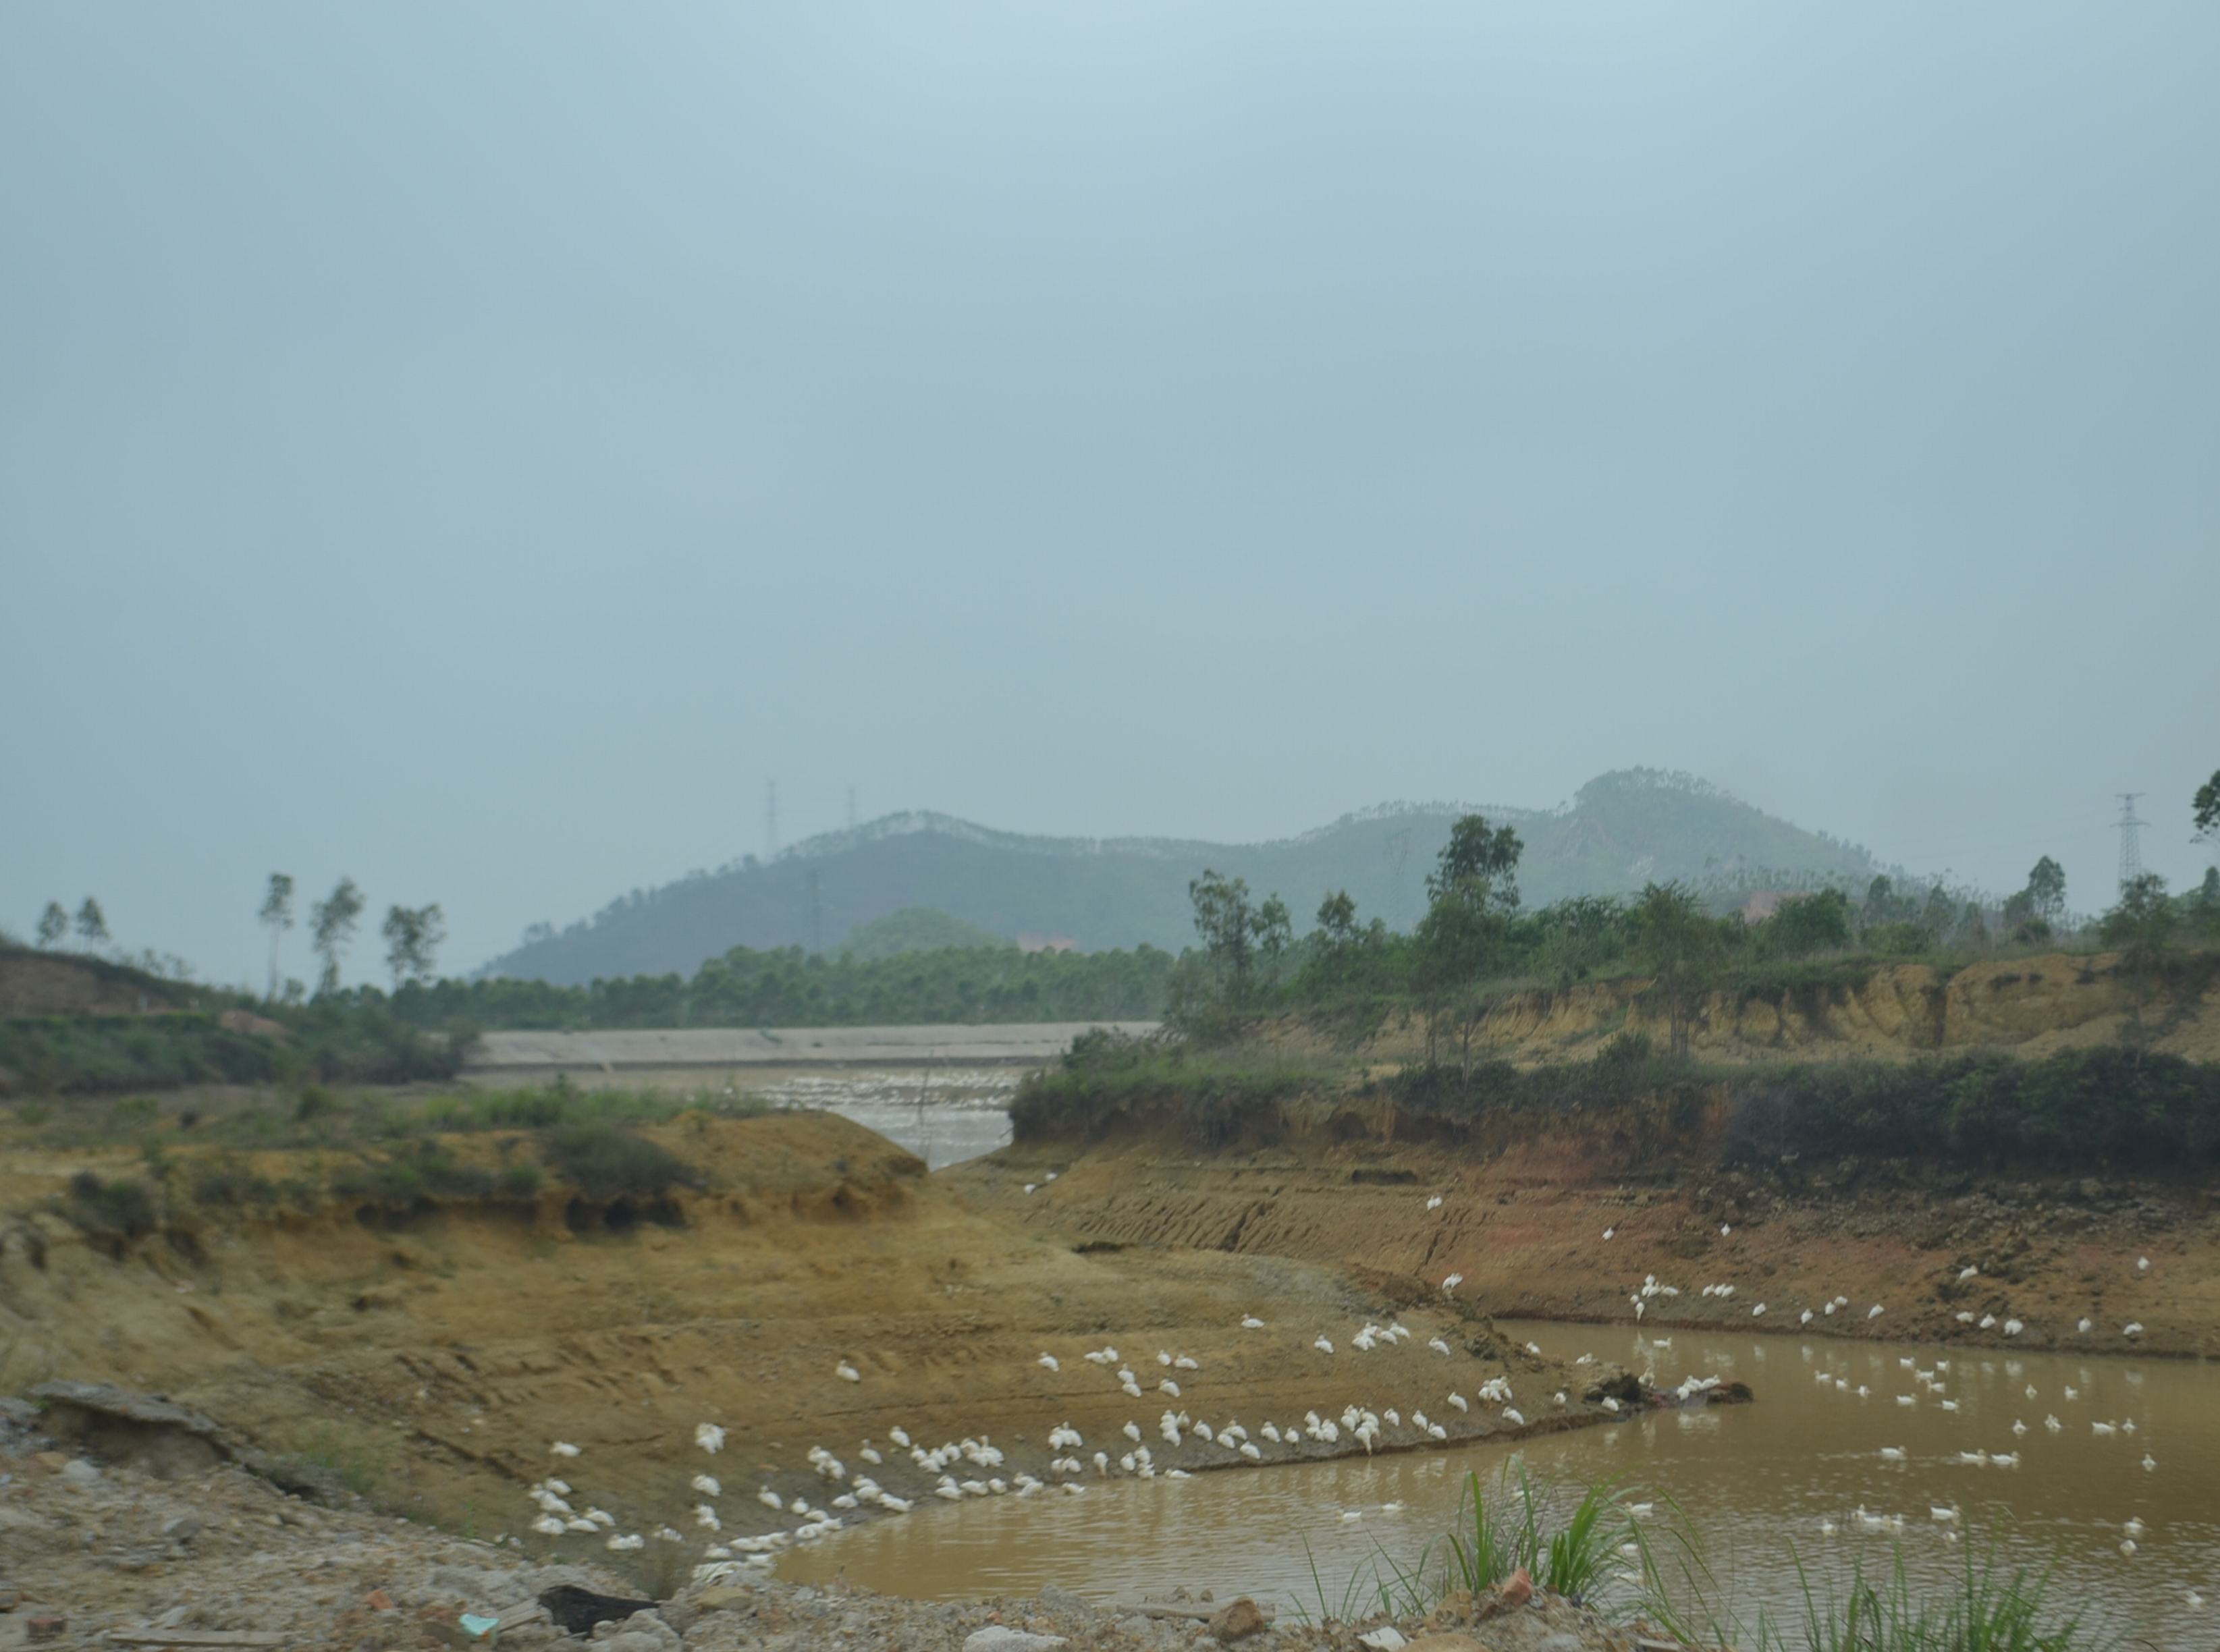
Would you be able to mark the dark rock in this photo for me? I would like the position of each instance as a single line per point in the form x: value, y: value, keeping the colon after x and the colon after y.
x: 1238, y: 1621
x: 576, y: 1611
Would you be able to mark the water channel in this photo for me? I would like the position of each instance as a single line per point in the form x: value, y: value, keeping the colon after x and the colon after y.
x: 1759, y: 1486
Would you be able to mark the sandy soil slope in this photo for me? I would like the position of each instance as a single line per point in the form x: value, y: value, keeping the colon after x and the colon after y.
x: 1523, y: 1220
x: 434, y: 1355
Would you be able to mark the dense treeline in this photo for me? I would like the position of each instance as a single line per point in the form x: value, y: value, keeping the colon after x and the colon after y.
x: 789, y: 987
x: 1475, y: 941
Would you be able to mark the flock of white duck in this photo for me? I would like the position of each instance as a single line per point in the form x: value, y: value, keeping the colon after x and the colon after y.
x: 975, y: 1468
x: 1931, y: 1384
x: 1652, y: 1289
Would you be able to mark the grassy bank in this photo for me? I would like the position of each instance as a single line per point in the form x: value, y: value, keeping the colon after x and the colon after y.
x: 2109, y: 1107
x: 303, y: 1150
x: 330, y: 1043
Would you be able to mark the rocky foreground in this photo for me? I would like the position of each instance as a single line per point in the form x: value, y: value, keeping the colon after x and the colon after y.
x: 103, y: 1553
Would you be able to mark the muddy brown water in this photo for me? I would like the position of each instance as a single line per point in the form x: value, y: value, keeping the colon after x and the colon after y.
x: 1757, y: 1485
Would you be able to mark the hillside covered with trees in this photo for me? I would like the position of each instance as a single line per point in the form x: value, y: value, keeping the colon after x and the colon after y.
x: 1620, y: 831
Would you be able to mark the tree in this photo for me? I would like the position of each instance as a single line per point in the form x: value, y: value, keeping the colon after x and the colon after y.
x: 1337, y: 922
x: 1235, y: 934
x: 2204, y: 808
x: 1677, y: 942
x: 1808, y: 923
x: 2141, y: 925
x: 92, y: 922
x: 54, y: 924
x: 1575, y: 937
x: 2046, y: 889
x: 331, y: 930
x: 413, y: 935
x: 277, y: 916
x: 1938, y: 914
x: 1464, y: 936
x: 1476, y: 851
x: 2143, y: 922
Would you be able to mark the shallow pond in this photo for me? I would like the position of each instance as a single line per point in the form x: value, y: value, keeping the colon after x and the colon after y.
x: 1758, y: 1486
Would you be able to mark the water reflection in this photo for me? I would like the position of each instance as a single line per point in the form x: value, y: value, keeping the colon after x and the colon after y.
x: 943, y: 1114
x: 1800, y: 1473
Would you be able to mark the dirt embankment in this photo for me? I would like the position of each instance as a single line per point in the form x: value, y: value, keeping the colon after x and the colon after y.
x: 2033, y: 1006
x: 44, y: 984
x: 1525, y: 1206
x: 433, y: 1355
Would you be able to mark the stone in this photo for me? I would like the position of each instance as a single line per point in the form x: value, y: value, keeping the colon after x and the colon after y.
x: 1057, y: 1599
x: 580, y: 1611
x: 79, y: 1472
x: 1451, y: 1610
x: 644, y: 1632
x: 1238, y: 1621
x: 1516, y: 1590
x: 999, y: 1638
x: 1386, y: 1638
x: 1561, y: 1642
x: 183, y: 1530
x: 1455, y: 1641
x: 724, y: 1597
x: 46, y: 1626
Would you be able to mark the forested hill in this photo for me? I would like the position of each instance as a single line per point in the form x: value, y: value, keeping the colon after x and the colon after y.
x: 1621, y: 831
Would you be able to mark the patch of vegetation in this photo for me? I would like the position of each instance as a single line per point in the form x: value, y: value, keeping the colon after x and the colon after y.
x: 1107, y: 1075
x: 1475, y: 945
x: 431, y: 1171
x: 225, y: 1184
x: 1570, y: 1541
x: 360, y: 1468
x: 124, y: 1208
x: 605, y: 1161
x: 330, y: 1043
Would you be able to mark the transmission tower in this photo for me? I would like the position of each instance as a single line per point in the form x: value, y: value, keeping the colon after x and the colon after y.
x: 771, y: 818
x: 2131, y: 849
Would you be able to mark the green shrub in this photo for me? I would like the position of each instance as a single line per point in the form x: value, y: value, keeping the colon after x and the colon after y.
x: 316, y: 1101
x: 605, y: 1161
x: 229, y: 1185
x: 124, y: 1208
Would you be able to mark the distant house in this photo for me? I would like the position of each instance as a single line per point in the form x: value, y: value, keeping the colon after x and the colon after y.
x: 1047, y: 944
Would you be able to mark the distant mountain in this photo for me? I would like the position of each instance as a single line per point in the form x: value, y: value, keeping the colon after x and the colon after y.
x: 1620, y: 831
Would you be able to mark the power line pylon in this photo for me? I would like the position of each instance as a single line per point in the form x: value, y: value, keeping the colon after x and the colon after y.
x: 2131, y: 848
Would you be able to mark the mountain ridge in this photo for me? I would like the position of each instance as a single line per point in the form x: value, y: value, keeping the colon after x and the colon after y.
x: 1619, y: 831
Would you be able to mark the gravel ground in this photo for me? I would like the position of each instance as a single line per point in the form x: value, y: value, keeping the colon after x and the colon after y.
x: 103, y: 1554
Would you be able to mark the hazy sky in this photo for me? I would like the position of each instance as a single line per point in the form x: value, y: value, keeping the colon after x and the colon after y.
x: 473, y: 447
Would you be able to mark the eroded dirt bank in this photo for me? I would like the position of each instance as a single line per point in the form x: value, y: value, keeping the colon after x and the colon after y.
x: 2033, y: 1006
x: 433, y: 1355
x: 1525, y: 1205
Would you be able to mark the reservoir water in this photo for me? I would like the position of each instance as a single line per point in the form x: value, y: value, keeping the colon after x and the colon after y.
x: 1759, y: 1486
x: 943, y: 1114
